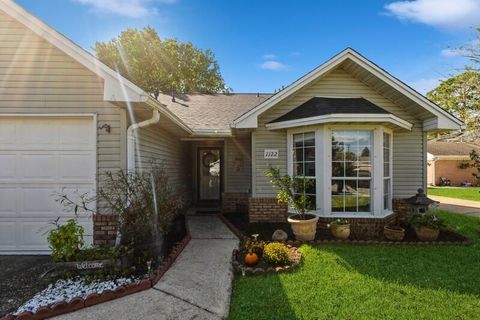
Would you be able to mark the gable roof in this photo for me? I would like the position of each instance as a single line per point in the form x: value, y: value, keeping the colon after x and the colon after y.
x: 116, y: 87
x: 448, y: 148
x: 440, y: 119
x: 320, y: 106
x: 211, y: 113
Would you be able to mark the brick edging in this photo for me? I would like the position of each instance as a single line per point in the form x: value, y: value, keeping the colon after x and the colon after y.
x: 77, y: 303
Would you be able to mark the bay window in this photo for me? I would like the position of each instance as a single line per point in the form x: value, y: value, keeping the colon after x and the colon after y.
x: 347, y: 168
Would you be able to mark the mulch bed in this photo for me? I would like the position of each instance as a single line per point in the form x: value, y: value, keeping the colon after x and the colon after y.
x: 20, y: 279
x: 239, y: 224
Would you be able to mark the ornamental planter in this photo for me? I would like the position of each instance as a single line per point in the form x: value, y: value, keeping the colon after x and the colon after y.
x: 394, y: 233
x: 340, y: 231
x: 304, y: 230
x: 426, y: 234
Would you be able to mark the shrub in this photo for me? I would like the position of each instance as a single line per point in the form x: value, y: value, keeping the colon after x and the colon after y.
x: 276, y: 253
x: 65, y: 240
x: 428, y: 220
x: 254, y: 246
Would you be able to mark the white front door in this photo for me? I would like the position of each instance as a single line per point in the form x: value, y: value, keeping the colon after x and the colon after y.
x: 39, y: 157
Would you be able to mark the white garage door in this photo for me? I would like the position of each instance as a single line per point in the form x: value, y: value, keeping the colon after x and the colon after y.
x: 39, y: 157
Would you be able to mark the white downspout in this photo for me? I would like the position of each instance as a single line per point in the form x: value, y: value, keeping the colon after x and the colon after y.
x: 131, y: 138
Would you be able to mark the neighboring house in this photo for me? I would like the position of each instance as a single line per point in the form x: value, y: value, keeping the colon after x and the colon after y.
x: 65, y: 118
x: 448, y: 160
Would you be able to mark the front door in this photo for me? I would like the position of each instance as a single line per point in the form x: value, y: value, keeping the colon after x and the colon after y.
x: 209, y: 174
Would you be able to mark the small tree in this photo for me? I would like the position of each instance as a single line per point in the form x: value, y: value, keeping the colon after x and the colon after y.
x: 291, y: 191
x: 475, y: 157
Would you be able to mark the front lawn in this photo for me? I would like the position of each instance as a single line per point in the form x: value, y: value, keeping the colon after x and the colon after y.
x: 466, y: 193
x: 344, y: 281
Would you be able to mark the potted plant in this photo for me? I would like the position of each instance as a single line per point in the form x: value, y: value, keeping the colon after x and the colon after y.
x: 394, y: 232
x: 427, y: 226
x: 340, y: 229
x: 292, y: 192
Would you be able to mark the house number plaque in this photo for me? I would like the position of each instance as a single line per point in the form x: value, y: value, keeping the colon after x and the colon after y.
x: 270, y: 154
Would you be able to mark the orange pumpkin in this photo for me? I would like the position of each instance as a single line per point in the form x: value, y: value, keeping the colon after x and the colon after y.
x: 251, y: 259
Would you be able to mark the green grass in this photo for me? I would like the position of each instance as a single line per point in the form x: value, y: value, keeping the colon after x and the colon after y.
x: 370, y: 282
x: 470, y: 193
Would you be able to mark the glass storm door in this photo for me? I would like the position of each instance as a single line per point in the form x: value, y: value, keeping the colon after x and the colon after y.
x: 209, y: 174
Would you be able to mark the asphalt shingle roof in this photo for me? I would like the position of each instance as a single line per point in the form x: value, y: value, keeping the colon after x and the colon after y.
x: 320, y: 106
x: 447, y: 148
x: 211, y: 111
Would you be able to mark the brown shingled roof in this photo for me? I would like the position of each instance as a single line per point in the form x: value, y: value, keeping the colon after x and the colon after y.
x: 211, y: 111
x: 444, y: 148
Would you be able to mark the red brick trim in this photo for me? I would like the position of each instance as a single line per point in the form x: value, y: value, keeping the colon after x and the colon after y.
x: 266, y: 210
x: 235, y: 202
x: 105, y: 228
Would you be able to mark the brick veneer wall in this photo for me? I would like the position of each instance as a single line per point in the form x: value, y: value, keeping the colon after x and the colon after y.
x: 402, y: 209
x: 266, y: 210
x: 235, y: 202
x: 105, y: 229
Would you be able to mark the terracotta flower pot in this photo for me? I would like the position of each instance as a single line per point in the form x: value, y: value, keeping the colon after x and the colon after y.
x: 394, y: 233
x: 340, y: 231
x: 426, y: 234
x: 304, y: 230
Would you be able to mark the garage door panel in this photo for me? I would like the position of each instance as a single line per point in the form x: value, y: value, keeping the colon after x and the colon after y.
x: 73, y: 133
x: 38, y: 166
x: 8, y: 202
x: 7, y: 234
x: 8, y: 165
x: 38, y: 133
x: 78, y: 166
x: 40, y: 158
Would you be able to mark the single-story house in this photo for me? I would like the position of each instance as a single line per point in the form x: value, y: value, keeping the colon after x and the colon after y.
x: 356, y: 131
x: 450, y: 160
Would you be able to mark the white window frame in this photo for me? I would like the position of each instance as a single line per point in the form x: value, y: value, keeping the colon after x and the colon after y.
x: 323, y: 169
x: 390, y: 186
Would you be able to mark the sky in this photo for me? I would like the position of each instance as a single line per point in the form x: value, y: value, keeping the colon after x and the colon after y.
x: 264, y: 45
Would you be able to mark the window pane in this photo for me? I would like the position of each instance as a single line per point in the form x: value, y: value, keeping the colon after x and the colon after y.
x: 350, y: 169
x: 364, y: 169
x: 337, y: 204
x: 337, y: 152
x: 364, y: 194
x: 364, y: 153
x: 338, y: 169
x: 351, y: 154
x: 311, y: 203
x: 309, y: 139
x: 298, y: 169
x: 337, y: 187
x: 386, y: 169
x: 309, y: 154
x: 310, y: 186
x: 386, y: 154
x: 386, y: 140
x: 310, y: 169
x: 298, y: 140
x: 350, y: 195
x: 298, y: 154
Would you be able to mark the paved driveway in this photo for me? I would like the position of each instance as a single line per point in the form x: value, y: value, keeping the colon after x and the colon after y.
x: 468, y: 207
x: 20, y: 279
x: 197, y: 286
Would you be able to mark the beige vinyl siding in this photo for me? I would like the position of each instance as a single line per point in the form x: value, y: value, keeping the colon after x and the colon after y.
x: 158, y: 146
x: 238, y: 164
x: 38, y: 78
x: 408, y: 147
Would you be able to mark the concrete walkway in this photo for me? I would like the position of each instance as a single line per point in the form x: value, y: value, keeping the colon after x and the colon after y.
x: 197, y: 286
x: 468, y: 207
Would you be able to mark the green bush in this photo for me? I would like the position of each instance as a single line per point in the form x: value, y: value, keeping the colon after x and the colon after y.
x: 276, y: 253
x: 429, y: 220
x: 65, y: 240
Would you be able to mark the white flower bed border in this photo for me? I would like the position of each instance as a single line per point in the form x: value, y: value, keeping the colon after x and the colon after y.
x: 67, y: 289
